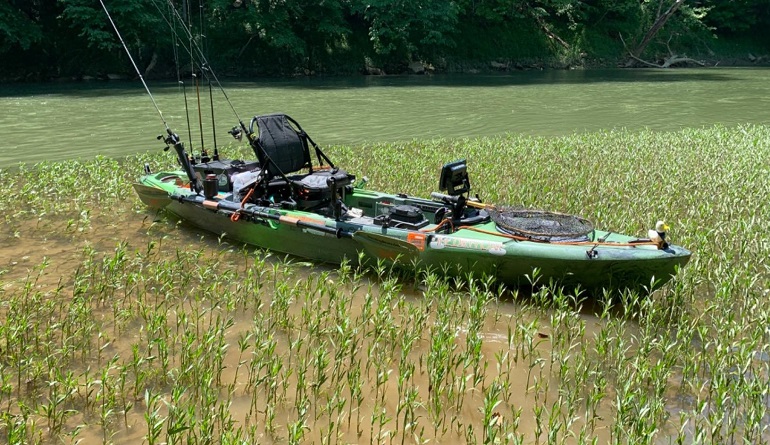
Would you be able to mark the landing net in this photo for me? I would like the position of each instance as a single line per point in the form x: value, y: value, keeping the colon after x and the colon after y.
x: 540, y: 224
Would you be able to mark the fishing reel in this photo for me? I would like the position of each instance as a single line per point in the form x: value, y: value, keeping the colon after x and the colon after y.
x: 169, y: 140
x: 236, y: 133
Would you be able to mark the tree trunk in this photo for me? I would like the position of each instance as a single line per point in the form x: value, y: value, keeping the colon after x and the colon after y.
x: 153, y: 61
x: 552, y: 35
x: 659, y: 22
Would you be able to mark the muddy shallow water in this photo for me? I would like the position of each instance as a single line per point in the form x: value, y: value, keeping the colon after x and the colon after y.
x: 170, y: 324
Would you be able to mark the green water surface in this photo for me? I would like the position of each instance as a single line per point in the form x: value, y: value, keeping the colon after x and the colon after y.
x: 81, y: 120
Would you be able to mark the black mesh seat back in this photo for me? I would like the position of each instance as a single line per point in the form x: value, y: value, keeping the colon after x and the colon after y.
x: 286, y: 148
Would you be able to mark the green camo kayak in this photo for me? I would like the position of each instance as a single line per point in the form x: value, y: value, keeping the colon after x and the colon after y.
x: 413, y: 231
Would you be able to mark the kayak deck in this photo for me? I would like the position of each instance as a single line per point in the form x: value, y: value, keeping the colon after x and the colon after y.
x: 599, y: 260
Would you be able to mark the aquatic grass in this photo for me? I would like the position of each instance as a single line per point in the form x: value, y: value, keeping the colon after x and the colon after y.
x: 115, y: 319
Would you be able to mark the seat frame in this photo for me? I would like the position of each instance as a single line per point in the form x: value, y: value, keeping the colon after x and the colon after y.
x: 283, y: 148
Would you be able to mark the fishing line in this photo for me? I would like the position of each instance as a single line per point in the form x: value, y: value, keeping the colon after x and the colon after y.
x: 177, y: 40
x: 172, y: 139
x: 136, y: 68
x: 200, y: 25
x: 176, y: 43
x: 176, y: 49
x: 206, y: 67
x: 193, y: 77
x: 205, y: 41
x: 213, y: 126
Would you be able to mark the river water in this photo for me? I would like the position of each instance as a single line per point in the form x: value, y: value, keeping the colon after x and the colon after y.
x: 81, y: 120
x: 55, y: 121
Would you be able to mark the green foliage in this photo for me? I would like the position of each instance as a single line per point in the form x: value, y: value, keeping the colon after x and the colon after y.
x: 139, y: 21
x: 299, y: 35
x: 302, y: 29
x: 736, y: 16
x: 288, y: 37
x: 408, y: 30
x: 94, y: 45
x: 610, y: 18
x: 17, y: 28
x: 517, y: 40
x: 685, y: 29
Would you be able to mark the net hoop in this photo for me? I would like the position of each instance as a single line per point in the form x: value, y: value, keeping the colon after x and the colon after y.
x: 540, y: 224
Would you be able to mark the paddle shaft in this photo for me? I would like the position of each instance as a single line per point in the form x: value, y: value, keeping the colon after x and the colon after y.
x: 282, y: 219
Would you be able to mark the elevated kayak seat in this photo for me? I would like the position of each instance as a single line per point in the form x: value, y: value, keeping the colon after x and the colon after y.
x: 283, y: 150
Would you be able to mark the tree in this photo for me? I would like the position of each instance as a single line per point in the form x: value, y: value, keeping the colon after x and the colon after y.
x: 558, y: 21
x: 291, y: 34
x: 42, y: 39
x: 140, y: 22
x: 662, y: 18
x: 305, y: 29
x: 30, y: 36
x: 404, y: 30
x: 736, y: 16
x: 18, y: 25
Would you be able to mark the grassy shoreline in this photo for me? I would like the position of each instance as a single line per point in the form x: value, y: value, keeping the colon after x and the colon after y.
x: 120, y: 326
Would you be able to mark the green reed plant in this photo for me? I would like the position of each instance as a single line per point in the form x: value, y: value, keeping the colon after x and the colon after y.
x: 125, y: 321
x: 153, y: 417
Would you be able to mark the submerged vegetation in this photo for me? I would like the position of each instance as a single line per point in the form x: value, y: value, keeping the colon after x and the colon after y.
x: 121, y: 326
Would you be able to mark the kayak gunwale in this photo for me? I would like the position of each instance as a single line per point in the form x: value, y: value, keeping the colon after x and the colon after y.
x: 613, y: 262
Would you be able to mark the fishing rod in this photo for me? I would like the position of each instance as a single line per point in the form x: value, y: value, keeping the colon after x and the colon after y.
x: 171, y: 139
x: 187, y: 113
x: 213, y: 125
x: 264, y: 213
x: 208, y: 71
x: 180, y: 42
x: 195, y: 82
x: 204, y: 155
x: 179, y: 80
x: 204, y: 68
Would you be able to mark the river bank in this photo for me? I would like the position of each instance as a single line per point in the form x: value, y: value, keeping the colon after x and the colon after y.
x: 728, y: 54
x: 498, y: 66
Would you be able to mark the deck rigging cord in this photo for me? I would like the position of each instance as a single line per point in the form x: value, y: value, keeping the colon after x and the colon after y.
x: 599, y: 242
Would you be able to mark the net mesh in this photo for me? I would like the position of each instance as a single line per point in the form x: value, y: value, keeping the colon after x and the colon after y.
x: 540, y: 224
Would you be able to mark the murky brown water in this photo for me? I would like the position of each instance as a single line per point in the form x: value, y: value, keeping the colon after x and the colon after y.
x: 516, y: 351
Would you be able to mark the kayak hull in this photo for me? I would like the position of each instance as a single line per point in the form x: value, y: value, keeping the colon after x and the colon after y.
x: 614, y: 261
